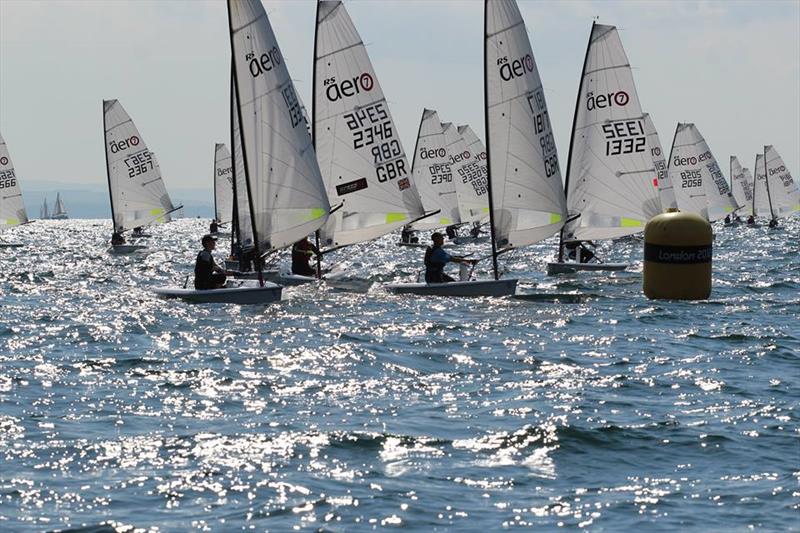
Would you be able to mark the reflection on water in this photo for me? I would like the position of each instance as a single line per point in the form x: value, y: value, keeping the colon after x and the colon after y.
x: 341, y: 410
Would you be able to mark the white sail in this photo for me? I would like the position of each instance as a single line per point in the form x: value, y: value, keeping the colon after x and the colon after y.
x: 699, y: 185
x: 611, y: 184
x: 433, y: 175
x: 741, y: 186
x: 357, y: 144
x: 59, y: 211
x: 762, y: 203
x: 469, y: 172
x: 783, y: 190
x: 223, y: 184
x: 12, y: 208
x: 44, y: 211
x: 288, y: 197
x: 138, y: 194
x: 524, y: 176
x: 665, y: 192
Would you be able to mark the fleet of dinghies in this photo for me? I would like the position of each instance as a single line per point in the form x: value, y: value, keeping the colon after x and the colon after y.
x: 343, y: 175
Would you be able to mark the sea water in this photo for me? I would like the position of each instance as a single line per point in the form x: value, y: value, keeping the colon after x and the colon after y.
x: 354, y: 410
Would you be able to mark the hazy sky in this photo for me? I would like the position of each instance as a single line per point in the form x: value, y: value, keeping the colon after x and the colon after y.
x: 733, y: 68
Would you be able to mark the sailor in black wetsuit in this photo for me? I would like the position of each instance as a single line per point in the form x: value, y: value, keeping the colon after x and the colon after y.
x: 214, y: 227
x: 207, y: 274
x: 302, y: 251
x: 436, y: 258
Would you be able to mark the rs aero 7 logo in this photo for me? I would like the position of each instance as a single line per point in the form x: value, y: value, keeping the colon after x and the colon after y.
x: 601, y: 101
x: 124, y: 144
x: 349, y: 87
x: 463, y: 156
x: 515, y: 68
x: 263, y: 63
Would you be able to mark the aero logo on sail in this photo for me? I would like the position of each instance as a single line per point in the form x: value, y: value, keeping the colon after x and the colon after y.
x: 265, y: 63
x: 346, y: 88
x: 601, y: 101
x: 124, y: 144
x: 683, y: 161
x: 772, y: 171
x: 430, y: 153
x: 463, y: 156
x: 516, y: 68
x: 3, y: 161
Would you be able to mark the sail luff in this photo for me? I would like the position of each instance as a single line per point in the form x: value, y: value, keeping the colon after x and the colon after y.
x: 492, y: 227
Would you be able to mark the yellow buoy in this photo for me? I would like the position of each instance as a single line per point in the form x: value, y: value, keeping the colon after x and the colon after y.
x: 677, y: 257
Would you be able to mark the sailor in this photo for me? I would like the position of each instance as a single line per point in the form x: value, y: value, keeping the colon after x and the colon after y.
x: 407, y: 236
x: 214, y: 227
x: 475, y: 231
x: 751, y: 219
x: 451, y: 231
x: 207, y: 274
x: 436, y: 258
x: 117, y: 238
x: 302, y: 251
x: 137, y: 231
x: 773, y: 223
x: 727, y: 219
x: 573, y: 247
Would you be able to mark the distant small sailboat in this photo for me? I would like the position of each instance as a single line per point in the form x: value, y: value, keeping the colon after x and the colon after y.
x: 59, y: 211
x: 44, y: 210
x: 12, y: 208
x: 136, y: 189
x: 698, y: 182
x: 611, y: 184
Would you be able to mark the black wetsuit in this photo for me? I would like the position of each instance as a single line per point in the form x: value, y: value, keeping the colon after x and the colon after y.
x: 434, y: 269
x: 301, y: 255
x: 204, y: 275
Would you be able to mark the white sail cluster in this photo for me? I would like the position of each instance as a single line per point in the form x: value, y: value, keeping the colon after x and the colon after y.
x: 12, y: 208
x: 698, y: 182
x: 223, y: 184
x: 527, y: 193
x: 362, y: 160
x: 287, y: 194
x: 138, y: 194
x: 612, y: 185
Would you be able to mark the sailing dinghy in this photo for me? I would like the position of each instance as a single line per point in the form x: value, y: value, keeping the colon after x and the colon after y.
x: 285, y: 193
x: 526, y: 198
x: 611, y: 184
x: 12, y: 208
x: 782, y: 191
x: 59, y: 211
x: 741, y: 188
x: 699, y: 185
x: 137, y: 192
x: 361, y: 157
x: 467, y: 159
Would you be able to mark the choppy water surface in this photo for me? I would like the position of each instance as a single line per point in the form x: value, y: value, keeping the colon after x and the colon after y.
x: 343, y: 411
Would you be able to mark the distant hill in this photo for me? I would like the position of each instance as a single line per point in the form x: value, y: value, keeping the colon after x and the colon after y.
x: 90, y: 200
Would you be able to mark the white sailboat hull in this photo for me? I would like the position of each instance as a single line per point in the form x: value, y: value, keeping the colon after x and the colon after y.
x: 123, y: 249
x: 570, y: 268
x: 244, y: 294
x: 488, y: 287
x: 269, y: 275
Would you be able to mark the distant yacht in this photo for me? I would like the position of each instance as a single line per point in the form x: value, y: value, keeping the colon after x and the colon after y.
x: 59, y: 212
x: 44, y: 211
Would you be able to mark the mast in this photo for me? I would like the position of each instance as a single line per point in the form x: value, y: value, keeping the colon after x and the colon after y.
x: 671, y: 148
x: 766, y: 181
x: 572, y: 142
x: 314, y: 122
x: 486, y: 131
x: 244, y: 154
x: 108, y: 172
x: 235, y: 232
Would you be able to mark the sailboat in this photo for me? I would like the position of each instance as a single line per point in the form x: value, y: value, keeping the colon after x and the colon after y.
x: 44, y: 211
x: 223, y: 185
x: 666, y: 194
x: 741, y: 187
x: 137, y: 192
x: 699, y: 185
x: 782, y: 190
x: 12, y: 208
x: 467, y: 160
x: 59, y: 211
x: 611, y: 185
x: 360, y: 154
x: 526, y: 198
x: 285, y: 192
